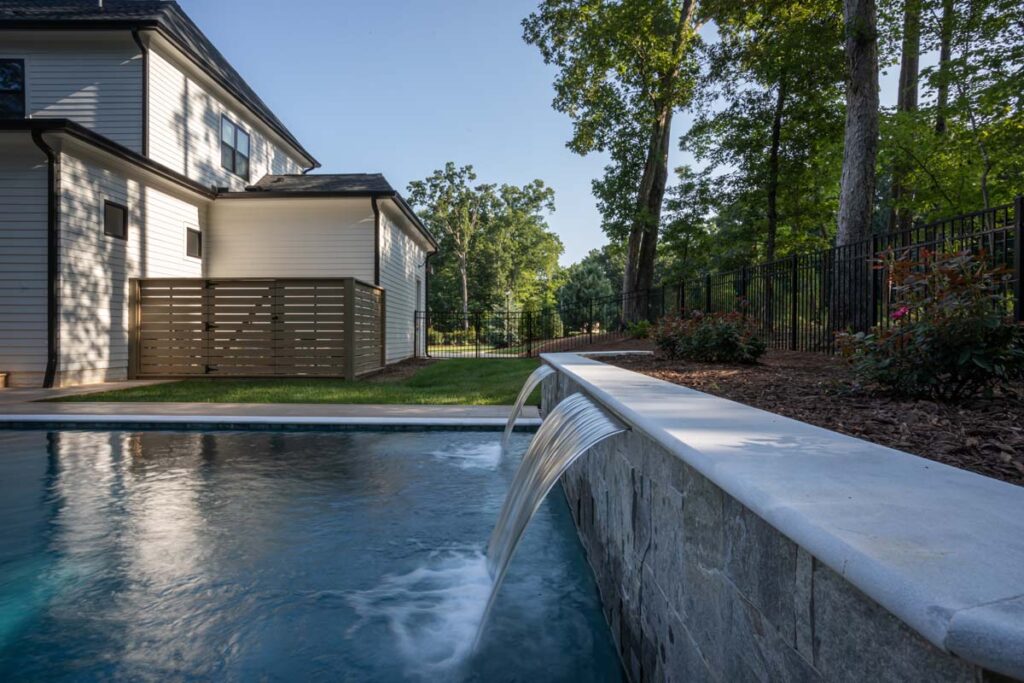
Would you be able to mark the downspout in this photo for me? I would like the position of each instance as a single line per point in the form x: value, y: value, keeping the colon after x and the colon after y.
x: 376, y: 240
x: 145, y: 90
x: 52, y: 258
x: 426, y: 304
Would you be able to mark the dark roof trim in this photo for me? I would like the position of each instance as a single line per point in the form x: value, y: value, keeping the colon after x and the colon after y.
x: 155, y: 25
x: 80, y: 132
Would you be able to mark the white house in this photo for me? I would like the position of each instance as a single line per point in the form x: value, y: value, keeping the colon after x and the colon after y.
x: 130, y: 148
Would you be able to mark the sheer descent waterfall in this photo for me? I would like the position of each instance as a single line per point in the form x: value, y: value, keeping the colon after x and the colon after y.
x: 575, y: 426
x: 535, y: 378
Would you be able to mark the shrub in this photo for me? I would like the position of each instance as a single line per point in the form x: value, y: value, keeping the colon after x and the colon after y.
x: 710, y: 338
x: 641, y: 329
x: 948, y: 336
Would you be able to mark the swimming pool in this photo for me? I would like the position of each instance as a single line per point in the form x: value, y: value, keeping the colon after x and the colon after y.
x: 281, y: 556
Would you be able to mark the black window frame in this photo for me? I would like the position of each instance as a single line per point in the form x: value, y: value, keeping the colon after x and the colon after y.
x: 24, y: 89
x: 237, y: 130
x: 124, y: 220
x: 199, y: 242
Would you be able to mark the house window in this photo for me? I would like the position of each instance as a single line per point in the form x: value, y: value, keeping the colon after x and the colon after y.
x: 12, y: 88
x: 193, y: 243
x: 115, y: 220
x: 234, y: 148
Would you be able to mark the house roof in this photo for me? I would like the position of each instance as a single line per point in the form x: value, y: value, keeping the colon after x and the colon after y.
x: 331, y: 183
x: 372, y: 185
x: 164, y: 16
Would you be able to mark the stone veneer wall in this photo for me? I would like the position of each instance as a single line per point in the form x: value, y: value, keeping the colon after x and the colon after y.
x: 696, y: 587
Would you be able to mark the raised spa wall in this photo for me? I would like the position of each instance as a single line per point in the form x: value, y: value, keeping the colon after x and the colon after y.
x: 698, y: 586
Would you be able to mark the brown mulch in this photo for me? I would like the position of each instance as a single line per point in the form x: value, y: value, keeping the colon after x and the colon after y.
x: 984, y: 435
x: 396, y: 372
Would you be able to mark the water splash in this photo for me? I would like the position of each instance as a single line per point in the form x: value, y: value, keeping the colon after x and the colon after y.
x: 535, y: 378
x: 434, y: 611
x: 575, y: 426
x: 472, y: 456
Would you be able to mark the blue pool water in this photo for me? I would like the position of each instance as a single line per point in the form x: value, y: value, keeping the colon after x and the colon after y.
x: 281, y: 556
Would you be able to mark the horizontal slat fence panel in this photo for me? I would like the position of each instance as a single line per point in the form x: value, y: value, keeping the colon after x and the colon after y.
x: 256, y: 328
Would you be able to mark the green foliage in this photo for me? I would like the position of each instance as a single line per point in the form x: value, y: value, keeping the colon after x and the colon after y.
x: 949, y: 337
x: 583, y: 283
x: 641, y: 329
x: 709, y: 338
x: 496, y: 248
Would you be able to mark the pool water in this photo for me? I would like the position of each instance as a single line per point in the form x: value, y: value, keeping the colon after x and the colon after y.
x: 281, y: 556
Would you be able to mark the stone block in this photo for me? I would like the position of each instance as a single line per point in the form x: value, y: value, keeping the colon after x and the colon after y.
x: 855, y: 639
x: 761, y: 563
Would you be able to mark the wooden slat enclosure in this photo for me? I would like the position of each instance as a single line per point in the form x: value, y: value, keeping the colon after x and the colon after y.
x: 256, y: 328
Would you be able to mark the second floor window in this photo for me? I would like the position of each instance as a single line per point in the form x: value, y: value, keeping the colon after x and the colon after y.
x: 234, y: 148
x: 12, y: 89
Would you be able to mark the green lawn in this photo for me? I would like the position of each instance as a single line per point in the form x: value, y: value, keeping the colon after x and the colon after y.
x: 467, y: 381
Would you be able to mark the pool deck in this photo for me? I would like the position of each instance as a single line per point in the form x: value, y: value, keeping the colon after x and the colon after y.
x: 23, y: 406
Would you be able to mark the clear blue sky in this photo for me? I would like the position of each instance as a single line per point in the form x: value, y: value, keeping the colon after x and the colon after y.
x: 402, y: 86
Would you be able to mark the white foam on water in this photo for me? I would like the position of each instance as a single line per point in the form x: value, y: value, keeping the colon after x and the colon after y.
x: 434, y: 611
x: 472, y: 456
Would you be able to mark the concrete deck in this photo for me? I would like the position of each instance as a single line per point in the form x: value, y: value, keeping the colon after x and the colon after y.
x: 21, y: 406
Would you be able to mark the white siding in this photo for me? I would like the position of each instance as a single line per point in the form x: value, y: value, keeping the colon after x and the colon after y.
x: 23, y: 219
x: 401, y: 262
x: 184, y: 129
x: 93, y: 80
x: 95, y: 268
x: 302, y: 237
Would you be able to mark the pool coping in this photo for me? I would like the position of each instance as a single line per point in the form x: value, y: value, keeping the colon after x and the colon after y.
x: 940, y: 548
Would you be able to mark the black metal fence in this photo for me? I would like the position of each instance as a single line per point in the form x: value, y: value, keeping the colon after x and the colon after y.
x: 798, y: 302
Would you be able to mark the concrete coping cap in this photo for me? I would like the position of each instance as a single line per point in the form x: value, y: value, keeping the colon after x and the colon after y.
x: 939, y: 547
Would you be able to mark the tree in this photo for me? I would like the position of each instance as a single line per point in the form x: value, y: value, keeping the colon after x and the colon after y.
x: 585, y: 283
x: 454, y: 211
x: 860, y: 140
x: 770, y: 102
x: 625, y: 67
x: 900, y: 218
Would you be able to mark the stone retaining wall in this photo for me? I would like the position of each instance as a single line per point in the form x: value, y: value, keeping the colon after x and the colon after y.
x: 696, y: 587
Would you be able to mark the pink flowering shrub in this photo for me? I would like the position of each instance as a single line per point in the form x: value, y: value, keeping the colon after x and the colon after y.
x: 948, y: 335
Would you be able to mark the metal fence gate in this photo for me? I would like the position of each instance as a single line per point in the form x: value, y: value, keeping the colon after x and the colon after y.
x: 255, y: 328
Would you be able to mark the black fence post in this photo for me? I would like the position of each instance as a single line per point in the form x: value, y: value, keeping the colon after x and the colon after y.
x: 794, y: 304
x: 529, y: 334
x: 476, y: 328
x: 1018, y: 258
x: 873, y: 282
x: 590, y: 323
x: 707, y: 293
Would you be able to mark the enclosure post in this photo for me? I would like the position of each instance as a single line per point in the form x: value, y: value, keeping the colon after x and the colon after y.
x: 350, y: 329
x: 873, y: 276
x: 134, y: 308
x: 1018, y: 258
x: 384, y: 328
x: 707, y: 293
x: 529, y: 334
x: 590, y: 323
x: 476, y: 329
x: 794, y: 303
x: 743, y: 283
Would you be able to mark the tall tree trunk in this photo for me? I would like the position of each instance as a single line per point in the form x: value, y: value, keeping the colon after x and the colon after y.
x: 900, y: 218
x: 860, y: 143
x: 773, y: 171
x: 464, y: 284
x: 642, y: 247
x: 945, y: 55
x: 850, y: 308
x: 773, y: 198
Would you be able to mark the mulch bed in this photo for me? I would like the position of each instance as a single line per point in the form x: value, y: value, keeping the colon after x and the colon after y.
x: 984, y: 435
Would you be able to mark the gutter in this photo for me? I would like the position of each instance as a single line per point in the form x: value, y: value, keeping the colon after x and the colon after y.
x: 52, y: 257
